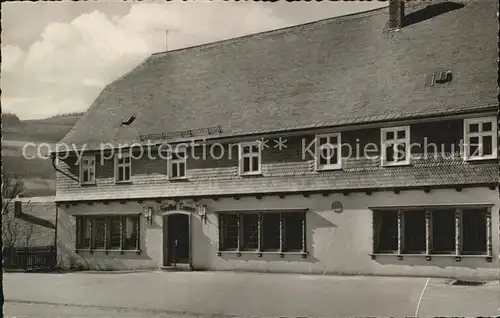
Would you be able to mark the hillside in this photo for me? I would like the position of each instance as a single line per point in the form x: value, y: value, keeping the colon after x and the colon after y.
x: 40, y: 130
x: 38, y: 174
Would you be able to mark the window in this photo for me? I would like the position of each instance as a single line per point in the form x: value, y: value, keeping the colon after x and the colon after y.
x: 107, y: 232
x: 262, y: 232
x: 83, y: 230
x: 443, y: 231
x: 271, y: 232
x: 250, y: 232
x: 386, y: 229
x: 480, y: 138
x: 87, y: 170
x: 432, y: 231
x: 177, y: 164
x: 249, y: 158
x: 228, y: 223
x: 123, y: 166
x: 395, y: 146
x: 414, y: 232
x: 328, y: 152
x: 474, y: 231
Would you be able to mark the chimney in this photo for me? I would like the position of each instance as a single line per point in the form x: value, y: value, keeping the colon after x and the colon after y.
x: 18, y: 208
x: 396, y: 14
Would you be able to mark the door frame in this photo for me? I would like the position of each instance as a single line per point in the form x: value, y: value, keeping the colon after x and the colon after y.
x: 165, y: 216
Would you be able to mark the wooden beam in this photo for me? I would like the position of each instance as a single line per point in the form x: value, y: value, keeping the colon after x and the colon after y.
x: 345, y: 193
x: 105, y: 202
x: 281, y: 196
x: 427, y: 190
x: 123, y: 202
x: 397, y: 191
x: 459, y: 189
x: 305, y: 194
x: 368, y: 193
x: 325, y: 194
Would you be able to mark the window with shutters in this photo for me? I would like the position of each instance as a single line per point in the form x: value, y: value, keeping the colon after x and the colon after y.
x: 395, y: 143
x: 87, y: 170
x: 250, y: 158
x: 328, y: 152
x: 480, y: 138
x: 123, y: 168
x: 177, y: 161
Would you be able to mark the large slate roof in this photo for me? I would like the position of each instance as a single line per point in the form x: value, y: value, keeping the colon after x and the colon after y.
x: 331, y: 72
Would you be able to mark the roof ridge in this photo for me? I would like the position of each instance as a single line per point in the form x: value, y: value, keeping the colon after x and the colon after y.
x: 312, y: 24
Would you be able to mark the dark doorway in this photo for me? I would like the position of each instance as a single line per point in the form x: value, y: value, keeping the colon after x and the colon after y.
x: 178, y: 238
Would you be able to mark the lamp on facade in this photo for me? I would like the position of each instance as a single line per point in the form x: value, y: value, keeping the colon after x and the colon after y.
x: 202, y: 211
x: 147, y: 212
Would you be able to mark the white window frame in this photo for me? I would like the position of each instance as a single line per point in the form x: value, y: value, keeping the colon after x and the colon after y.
x: 480, y: 135
x: 84, y: 166
x: 390, y: 143
x: 171, y: 162
x: 123, y: 165
x: 317, y: 151
x: 241, y: 157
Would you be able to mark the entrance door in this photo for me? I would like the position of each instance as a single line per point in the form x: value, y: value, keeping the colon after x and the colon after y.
x: 177, y: 239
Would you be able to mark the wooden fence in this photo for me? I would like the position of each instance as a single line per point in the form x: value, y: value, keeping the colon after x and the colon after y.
x: 30, y: 258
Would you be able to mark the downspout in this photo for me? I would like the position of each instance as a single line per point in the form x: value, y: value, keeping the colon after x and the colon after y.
x: 53, y: 157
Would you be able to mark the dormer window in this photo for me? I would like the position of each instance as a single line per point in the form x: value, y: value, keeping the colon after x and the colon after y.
x: 87, y: 170
x: 480, y: 138
x: 328, y: 152
x: 177, y: 164
x: 123, y: 168
x: 395, y: 143
x: 250, y: 158
x: 128, y: 120
x: 442, y: 77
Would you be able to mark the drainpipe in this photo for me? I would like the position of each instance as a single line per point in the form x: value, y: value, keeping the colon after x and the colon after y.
x: 53, y: 157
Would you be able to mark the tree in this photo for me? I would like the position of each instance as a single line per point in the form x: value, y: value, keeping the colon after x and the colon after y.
x: 14, y: 231
x: 12, y: 187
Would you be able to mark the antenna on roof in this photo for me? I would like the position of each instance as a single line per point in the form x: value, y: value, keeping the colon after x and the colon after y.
x: 166, y: 31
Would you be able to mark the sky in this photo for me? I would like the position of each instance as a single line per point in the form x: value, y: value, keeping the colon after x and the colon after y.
x: 58, y: 56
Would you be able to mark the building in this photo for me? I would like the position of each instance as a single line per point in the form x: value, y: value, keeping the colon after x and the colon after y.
x: 245, y: 144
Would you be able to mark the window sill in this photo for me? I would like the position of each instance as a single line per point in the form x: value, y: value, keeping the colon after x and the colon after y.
x: 260, y: 254
x: 320, y: 169
x: 123, y: 182
x: 91, y: 251
x: 251, y: 174
x: 183, y: 179
x: 429, y: 257
x: 474, y: 159
x: 395, y: 164
x: 88, y: 184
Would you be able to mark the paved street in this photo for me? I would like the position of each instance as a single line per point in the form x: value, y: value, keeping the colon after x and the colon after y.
x: 210, y: 294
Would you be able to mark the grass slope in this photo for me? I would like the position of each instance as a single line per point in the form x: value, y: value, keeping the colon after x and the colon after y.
x: 38, y: 174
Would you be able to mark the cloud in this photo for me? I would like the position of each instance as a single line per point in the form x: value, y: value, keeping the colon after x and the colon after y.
x: 64, y: 70
x: 11, y: 56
